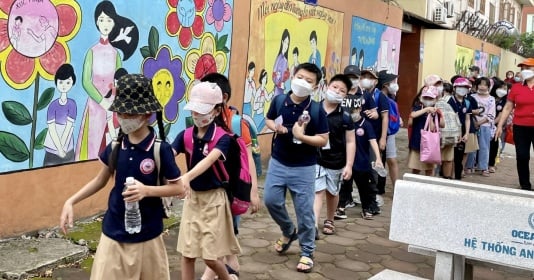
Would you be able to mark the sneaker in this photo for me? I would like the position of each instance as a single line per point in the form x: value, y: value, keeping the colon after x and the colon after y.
x: 350, y: 204
x: 367, y: 216
x: 379, y: 200
x: 340, y: 214
x: 356, y: 198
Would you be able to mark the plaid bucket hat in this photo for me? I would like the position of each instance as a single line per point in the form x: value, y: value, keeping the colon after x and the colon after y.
x: 135, y: 96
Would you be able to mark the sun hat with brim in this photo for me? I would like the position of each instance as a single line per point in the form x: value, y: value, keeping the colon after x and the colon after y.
x: 135, y: 95
x: 528, y: 62
x: 363, y: 72
x: 432, y: 79
x: 430, y: 91
x: 204, y: 97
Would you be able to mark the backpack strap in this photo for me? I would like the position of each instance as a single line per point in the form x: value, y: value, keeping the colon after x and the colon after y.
x: 157, y: 159
x: 236, y: 121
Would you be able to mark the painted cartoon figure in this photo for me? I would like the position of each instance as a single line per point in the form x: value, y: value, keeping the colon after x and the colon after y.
x: 261, y: 96
x: 61, y: 115
x: 281, y: 70
x: 48, y: 36
x: 295, y: 62
x: 353, y: 56
x: 318, y: 94
x: 315, y: 57
x: 250, y: 88
x: 101, y: 62
x: 16, y: 31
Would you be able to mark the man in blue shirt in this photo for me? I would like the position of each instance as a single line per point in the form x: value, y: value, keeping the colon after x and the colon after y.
x: 293, y: 159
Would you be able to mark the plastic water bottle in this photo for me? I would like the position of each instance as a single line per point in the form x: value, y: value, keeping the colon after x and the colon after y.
x: 132, y: 214
x: 381, y: 171
x: 303, y: 119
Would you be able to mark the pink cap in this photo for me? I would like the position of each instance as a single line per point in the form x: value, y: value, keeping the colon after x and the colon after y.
x: 430, y: 91
x: 462, y: 82
x: 203, y: 97
x: 431, y: 80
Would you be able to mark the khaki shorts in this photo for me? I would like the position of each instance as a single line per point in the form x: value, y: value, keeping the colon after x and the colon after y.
x: 144, y: 260
x: 328, y: 179
x: 414, y: 162
x: 447, y: 153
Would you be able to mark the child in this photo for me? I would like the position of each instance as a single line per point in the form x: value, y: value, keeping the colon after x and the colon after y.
x: 142, y: 255
x: 499, y: 92
x: 362, y: 170
x: 484, y: 122
x: 334, y: 163
x: 206, y: 229
x: 228, y: 114
x: 61, y: 115
x: 462, y: 107
x: 429, y: 97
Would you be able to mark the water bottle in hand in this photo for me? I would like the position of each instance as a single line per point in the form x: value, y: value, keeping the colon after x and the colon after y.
x: 132, y: 214
x: 303, y: 120
x: 380, y: 170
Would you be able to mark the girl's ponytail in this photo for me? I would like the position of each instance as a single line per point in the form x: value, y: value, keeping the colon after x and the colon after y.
x: 161, y: 128
x: 115, y: 146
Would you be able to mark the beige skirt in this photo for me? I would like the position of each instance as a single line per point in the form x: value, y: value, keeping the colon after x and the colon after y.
x: 414, y: 162
x: 206, y: 228
x: 472, y: 143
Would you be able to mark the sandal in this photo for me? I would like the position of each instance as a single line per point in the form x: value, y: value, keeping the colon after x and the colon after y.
x: 231, y: 271
x: 491, y: 169
x: 328, y: 227
x: 367, y: 216
x: 285, y: 246
x: 305, y: 261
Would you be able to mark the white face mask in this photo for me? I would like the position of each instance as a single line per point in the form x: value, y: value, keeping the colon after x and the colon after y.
x: 393, y: 88
x: 428, y: 103
x: 366, y: 83
x: 300, y: 87
x: 130, y: 125
x: 527, y: 74
x: 440, y: 89
x: 517, y: 79
x: 462, y: 91
x: 202, y: 120
x: 355, y: 82
x: 356, y: 117
x: 333, y: 97
x: 501, y: 92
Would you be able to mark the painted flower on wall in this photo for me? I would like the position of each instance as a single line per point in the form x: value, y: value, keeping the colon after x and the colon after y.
x: 166, y: 71
x: 211, y: 57
x: 33, y: 45
x: 185, y: 20
x: 218, y: 12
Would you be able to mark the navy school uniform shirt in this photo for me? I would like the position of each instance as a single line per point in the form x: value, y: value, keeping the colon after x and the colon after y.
x: 418, y: 124
x: 368, y: 101
x: 207, y: 180
x: 461, y: 109
x: 364, y: 133
x: 382, y: 105
x: 284, y: 150
x: 137, y: 160
x: 499, y: 105
x: 474, y: 106
x: 334, y: 154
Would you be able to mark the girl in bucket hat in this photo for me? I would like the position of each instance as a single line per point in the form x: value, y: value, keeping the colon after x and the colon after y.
x: 206, y: 229
x: 123, y: 255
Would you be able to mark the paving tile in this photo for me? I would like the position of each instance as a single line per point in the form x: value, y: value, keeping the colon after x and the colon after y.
x: 352, y: 234
x: 362, y: 256
x: 400, y: 266
x: 269, y: 258
x: 403, y: 255
x: 332, y: 249
x: 353, y: 265
x: 375, y: 249
x: 383, y: 241
x: 339, y: 240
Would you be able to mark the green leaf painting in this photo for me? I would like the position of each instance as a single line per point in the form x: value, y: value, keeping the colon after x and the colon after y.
x: 13, y: 148
x: 45, y: 98
x: 153, y: 41
x: 39, y: 140
x: 16, y: 113
x: 145, y: 51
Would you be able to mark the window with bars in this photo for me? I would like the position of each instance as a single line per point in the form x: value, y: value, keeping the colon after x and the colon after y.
x: 492, y: 13
x: 471, y: 3
x: 482, y: 7
x: 501, y: 10
x: 511, y: 18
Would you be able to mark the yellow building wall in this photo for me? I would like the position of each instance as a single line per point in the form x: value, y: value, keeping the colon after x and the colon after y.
x: 439, y: 47
x: 509, y: 61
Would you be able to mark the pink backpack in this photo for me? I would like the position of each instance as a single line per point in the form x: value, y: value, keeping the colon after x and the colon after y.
x: 232, y: 172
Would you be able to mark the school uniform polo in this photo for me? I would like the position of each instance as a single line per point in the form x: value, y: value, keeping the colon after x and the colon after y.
x: 473, y: 103
x: 368, y: 102
x: 207, y: 180
x: 334, y: 154
x: 284, y: 149
x: 417, y: 124
x: 382, y: 105
x: 137, y: 160
x: 364, y: 132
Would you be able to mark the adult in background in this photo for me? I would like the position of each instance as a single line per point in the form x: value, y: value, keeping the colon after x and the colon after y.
x: 521, y: 100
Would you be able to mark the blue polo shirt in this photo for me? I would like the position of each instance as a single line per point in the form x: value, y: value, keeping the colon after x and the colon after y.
x: 461, y: 109
x: 334, y: 154
x: 284, y: 150
x: 368, y: 101
x: 207, y: 180
x: 137, y: 160
x: 364, y: 133
x: 382, y: 105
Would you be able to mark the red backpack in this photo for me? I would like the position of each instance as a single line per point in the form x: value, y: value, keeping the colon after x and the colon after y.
x: 232, y: 172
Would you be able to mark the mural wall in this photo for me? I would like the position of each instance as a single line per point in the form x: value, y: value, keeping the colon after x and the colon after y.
x: 465, y: 57
x: 374, y: 46
x: 59, y: 60
x: 282, y: 35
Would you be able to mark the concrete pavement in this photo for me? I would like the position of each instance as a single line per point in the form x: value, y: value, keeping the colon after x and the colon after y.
x: 359, y: 249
